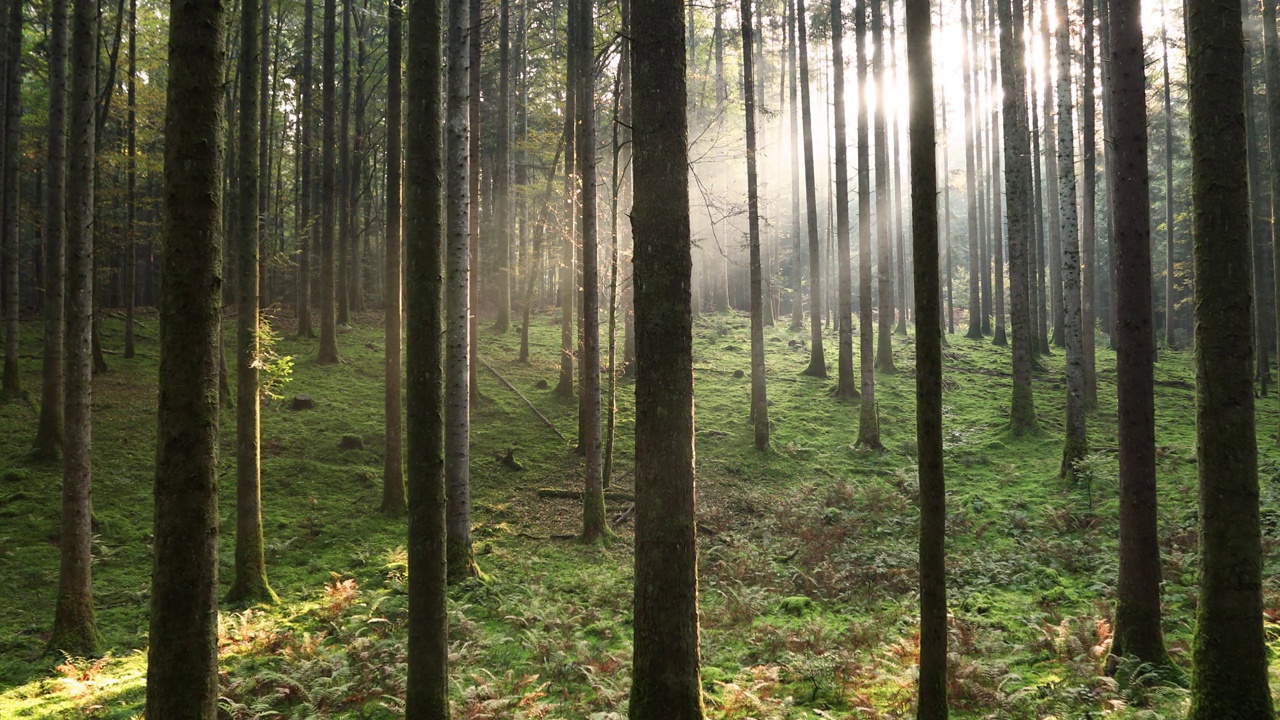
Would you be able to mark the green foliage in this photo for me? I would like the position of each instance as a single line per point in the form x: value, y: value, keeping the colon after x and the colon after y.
x: 275, y: 370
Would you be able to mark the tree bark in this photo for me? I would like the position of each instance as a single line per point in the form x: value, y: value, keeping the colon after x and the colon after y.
x: 182, y: 662
x: 1088, y: 215
x: 884, y: 251
x: 1052, y: 191
x: 345, y: 174
x: 306, y: 205
x: 1229, y: 652
x: 759, y: 400
x: 502, y: 178
x: 11, y: 383
x: 328, y: 192
x: 971, y: 179
x: 1077, y: 441
x: 48, y: 442
x: 868, y: 420
x: 74, y: 629
x: 393, y: 458
x: 817, y: 359
x: 427, y: 696
x: 797, y: 254
x: 845, y: 388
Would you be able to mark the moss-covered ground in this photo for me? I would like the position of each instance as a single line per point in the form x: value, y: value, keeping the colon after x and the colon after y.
x: 807, y: 552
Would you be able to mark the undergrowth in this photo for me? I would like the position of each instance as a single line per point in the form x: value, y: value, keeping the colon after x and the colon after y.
x: 807, y: 551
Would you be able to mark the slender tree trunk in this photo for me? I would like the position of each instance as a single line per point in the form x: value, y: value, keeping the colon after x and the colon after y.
x: 759, y: 400
x: 48, y: 442
x: 868, y: 420
x: 250, y: 582
x: 182, y: 661
x: 267, y: 77
x: 1017, y: 159
x: 346, y: 172
x: 1077, y: 442
x: 457, y: 360
x: 427, y: 696
x: 1272, y: 43
x: 11, y: 384
x: 74, y: 629
x: 845, y: 388
x: 1169, y: 340
x: 1052, y: 191
x: 817, y: 359
x: 999, y: 336
x: 971, y: 179
x: 797, y: 255
x: 502, y: 179
x: 393, y: 458
x: 932, y: 704
x: 473, y: 179
x: 1229, y: 651
x: 1137, y: 627
x: 564, y: 388
x: 1088, y: 216
x: 328, y: 191
x: 665, y: 677
x: 884, y: 253
x: 898, y: 213
x: 307, y: 224
x: 130, y: 233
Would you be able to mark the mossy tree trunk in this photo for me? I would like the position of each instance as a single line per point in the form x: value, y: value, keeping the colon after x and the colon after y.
x: 932, y: 704
x: 328, y: 191
x: 250, y: 582
x: 1229, y: 651
x: 393, y: 457
x: 845, y: 388
x: 182, y: 663
x: 1137, y: 626
x: 759, y: 399
x: 427, y: 695
x: 666, y: 684
x: 457, y: 398
x: 74, y: 629
x: 1017, y: 160
x: 817, y: 359
x: 48, y: 442
x: 868, y: 421
x: 1077, y: 442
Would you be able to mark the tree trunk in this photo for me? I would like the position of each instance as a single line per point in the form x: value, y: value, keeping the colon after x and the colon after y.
x: 971, y: 179
x: 817, y: 359
x: 130, y: 233
x: 346, y: 172
x: 845, y: 388
x: 427, y: 696
x: 328, y: 190
x: 74, y: 629
x: 182, y: 663
x: 759, y: 401
x: 1229, y: 651
x: 393, y: 457
x: 666, y: 684
x: 48, y: 442
x: 868, y: 421
x: 1272, y: 44
x: 306, y: 206
x: 473, y: 179
x: 797, y: 255
x: 1052, y: 175
x: 1088, y: 217
x: 884, y: 252
x: 11, y: 384
x: 1077, y: 442
x: 457, y: 360
x: 932, y: 703
x: 502, y: 178
x: 564, y: 388
x: 250, y: 582
x: 1017, y: 151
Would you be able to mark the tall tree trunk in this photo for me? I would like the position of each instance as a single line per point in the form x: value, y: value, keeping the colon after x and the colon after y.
x: 759, y: 401
x: 1169, y: 340
x: 182, y: 662
x: 1077, y: 442
x: 797, y: 255
x: 393, y: 457
x: 11, y: 384
x: 564, y: 388
x: 502, y: 179
x: 359, y: 238
x: 1272, y: 43
x: 345, y: 175
x: 306, y: 206
x: 1088, y: 216
x: 594, y: 525
x: 999, y: 337
x: 250, y: 582
x: 457, y: 360
x: 427, y: 696
x: 1137, y: 626
x: 1017, y: 151
x: 868, y: 420
x: 932, y: 703
x: 267, y: 77
x: 971, y: 179
x: 48, y: 442
x: 845, y: 388
x: 896, y: 156
x: 74, y: 629
x: 473, y: 178
x: 665, y: 676
x: 328, y: 192
x: 884, y: 252
x: 1052, y: 191
x: 1229, y: 651
x: 131, y: 209
x: 817, y: 359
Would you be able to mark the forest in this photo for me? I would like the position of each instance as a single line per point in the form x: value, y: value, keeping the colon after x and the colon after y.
x: 648, y: 359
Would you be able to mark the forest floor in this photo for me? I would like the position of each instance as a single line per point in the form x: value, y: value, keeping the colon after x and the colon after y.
x: 807, y: 552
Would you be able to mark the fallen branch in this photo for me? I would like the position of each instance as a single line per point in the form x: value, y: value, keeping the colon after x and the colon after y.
x: 625, y: 516
x: 513, y: 389
x: 577, y: 495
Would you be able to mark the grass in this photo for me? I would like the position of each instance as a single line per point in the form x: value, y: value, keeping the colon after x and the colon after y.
x: 807, y: 552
